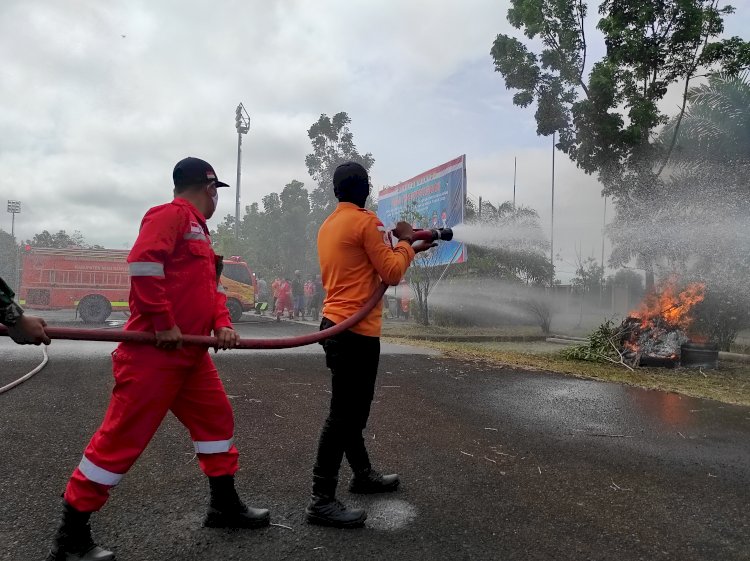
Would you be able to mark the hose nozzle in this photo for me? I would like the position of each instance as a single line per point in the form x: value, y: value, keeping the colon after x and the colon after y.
x: 434, y: 234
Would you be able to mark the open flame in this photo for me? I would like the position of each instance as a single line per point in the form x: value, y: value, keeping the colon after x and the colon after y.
x: 658, y: 327
x: 670, y: 305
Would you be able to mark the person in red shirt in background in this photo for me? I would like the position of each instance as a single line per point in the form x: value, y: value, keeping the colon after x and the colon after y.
x: 308, y: 288
x: 174, y: 290
x: 284, y: 301
x: 275, y: 285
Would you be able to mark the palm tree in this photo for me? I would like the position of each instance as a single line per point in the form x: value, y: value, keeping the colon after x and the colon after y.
x: 716, y: 125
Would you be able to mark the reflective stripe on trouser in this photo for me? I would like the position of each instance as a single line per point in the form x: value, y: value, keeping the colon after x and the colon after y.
x: 146, y: 388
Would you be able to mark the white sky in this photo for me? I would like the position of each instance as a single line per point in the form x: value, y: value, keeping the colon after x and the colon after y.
x: 93, y: 122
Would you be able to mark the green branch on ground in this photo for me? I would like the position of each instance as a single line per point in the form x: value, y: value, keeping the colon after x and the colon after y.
x: 602, y: 346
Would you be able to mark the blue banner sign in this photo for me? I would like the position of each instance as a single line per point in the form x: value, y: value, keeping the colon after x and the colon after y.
x: 433, y: 199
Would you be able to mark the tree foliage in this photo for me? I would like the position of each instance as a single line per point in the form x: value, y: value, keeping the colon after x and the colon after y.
x: 273, y: 239
x: 333, y: 144
x: 279, y: 235
x: 589, y: 276
x: 606, y: 112
x: 697, y: 224
x: 517, y: 259
x: 8, y: 258
x: 424, y: 272
x: 607, y: 117
x: 61, y: 240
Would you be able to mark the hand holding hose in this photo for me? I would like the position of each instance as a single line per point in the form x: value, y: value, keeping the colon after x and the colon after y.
x: 423, y: 245
x: 404, y: 232
x: 29, y: 330
x: 169, y: 339
x: 226, y: 338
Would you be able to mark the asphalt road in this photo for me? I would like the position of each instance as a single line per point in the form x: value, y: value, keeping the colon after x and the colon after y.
x: 495, y: 463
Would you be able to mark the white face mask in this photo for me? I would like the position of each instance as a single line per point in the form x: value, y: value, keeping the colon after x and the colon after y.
x: 215, y: 198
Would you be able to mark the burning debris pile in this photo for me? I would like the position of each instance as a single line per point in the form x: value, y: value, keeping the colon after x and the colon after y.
x: 652, y: 335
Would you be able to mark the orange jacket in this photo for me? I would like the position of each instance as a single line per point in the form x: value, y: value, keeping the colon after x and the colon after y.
x: 355, y: 254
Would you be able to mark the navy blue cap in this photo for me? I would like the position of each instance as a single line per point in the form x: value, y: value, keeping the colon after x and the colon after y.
x: 194, y: 171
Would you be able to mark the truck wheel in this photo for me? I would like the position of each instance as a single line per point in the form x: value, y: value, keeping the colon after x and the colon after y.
x: 235, y: 309
x: 94, y: 309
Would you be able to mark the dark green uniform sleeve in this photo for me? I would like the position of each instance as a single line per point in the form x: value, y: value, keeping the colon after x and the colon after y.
x: 10, y: 312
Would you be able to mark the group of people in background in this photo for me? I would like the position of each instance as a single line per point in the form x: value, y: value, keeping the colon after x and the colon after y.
x: 297, y: 298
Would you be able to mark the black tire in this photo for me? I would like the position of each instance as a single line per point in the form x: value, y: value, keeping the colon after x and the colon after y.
x: 235, y: 309
x: 94, y: 309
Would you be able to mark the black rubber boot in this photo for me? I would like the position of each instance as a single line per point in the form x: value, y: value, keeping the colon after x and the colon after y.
x: 370, y: 481
x: 226, y: 510
x: 325, y: 510
x: 73, y: 541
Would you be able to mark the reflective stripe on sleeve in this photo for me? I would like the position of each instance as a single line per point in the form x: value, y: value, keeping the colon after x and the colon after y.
x: 213, y: 446
x: 146, y: 269
x: 195, y: 236
x: 98, y: 475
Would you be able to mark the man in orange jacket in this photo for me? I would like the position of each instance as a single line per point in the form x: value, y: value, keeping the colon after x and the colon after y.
x: 174, y: 290
x: 355, y: 254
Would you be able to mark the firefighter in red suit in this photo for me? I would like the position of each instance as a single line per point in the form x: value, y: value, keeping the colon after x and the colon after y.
x: 174, y: 290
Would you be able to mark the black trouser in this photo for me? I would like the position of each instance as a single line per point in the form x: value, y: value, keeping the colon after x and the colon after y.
x: 353, y: 360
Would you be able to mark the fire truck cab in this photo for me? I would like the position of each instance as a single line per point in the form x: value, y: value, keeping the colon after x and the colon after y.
x: 240, y: 285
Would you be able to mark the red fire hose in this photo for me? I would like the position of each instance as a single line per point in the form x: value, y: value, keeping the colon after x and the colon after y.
x: 206, y: 341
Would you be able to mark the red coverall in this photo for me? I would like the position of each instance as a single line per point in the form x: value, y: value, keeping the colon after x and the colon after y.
x: 173, y: 282
x: 284, y: 301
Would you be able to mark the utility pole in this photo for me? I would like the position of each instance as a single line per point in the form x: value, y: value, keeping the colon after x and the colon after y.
x: 242, y: 124
x: 604, y: 227
x: 552, y: 225
x: 14, y: 207
x: 514, y: 180
x: 480, y: 208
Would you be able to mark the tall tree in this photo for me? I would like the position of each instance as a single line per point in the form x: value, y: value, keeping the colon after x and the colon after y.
x: 519, y: 251
x: 295, y: 216
x: 424, y: 271
x: 333, y: 144
x: 60, y: 240
x: 8, y: 258
x: 608, y: 117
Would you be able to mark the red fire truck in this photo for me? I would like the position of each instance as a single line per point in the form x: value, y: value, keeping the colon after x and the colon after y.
x: 95, y: 282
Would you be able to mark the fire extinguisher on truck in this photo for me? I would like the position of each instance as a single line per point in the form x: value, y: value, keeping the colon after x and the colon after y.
x: 95, y: 282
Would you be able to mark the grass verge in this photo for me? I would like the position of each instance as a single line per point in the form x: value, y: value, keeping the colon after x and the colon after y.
x: 728, y: 384
x: 407, y: 330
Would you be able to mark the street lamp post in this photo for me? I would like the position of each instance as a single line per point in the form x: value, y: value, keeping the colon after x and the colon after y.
x: 242, y: 124
x: 14, y: 207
